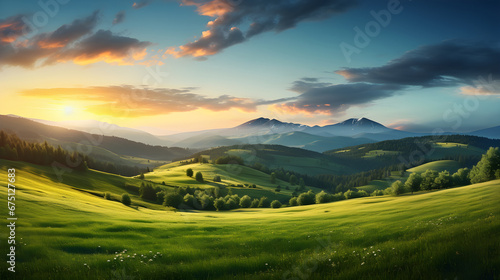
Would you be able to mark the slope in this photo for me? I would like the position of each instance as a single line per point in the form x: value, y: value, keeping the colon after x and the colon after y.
x: 66, y: 234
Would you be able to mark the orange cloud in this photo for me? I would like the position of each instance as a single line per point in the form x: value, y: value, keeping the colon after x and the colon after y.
x: 127, y: 101
x: 215, y: 8
x: 493, y: 89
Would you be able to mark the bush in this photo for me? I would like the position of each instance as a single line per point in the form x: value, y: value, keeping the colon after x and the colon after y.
x: 126, y: 199
x: 217, y: 179
x: 397, y: 188
x: 245, y: 202
x: 173, y: 200
x: 189, y: 172
x: 160, y: 197
x: 255, y: 203
x: 199, y: 177
x: 487, y: 168
x: 219, y: 204
x: 189, y: 200
x: 293, y: 201
x: 377, y: 193
x: 264, y: 202
x: 107, y: 196
x: 323, y: 197
x: 229, y: 159
x: 306, y: 198
x: 276, y: 204
x: 231, y: 204
x: 146, y: 191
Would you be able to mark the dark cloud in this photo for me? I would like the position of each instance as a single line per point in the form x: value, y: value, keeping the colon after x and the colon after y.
x: 71, y: 42
x: 127, y: 101
x: 119, y: 18
x: 67, y: 33
x: 104, y: 46
x: 260, y: 16
x: 336, y: 99
x: 446, y: 64
x: 12, y: 28
x: 307, y: 84
x: 141, y: 4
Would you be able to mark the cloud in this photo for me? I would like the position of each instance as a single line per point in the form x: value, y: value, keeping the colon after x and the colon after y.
x: 141, y: 4
x: 104, y: 46
x: 128, y: 101
x: 71, y: 42
x: 12, y: 28
x: 335, y: 99
x: 258, y: 16
x: 119, y: 18
x: 67, y: 33
x: 446, y: 64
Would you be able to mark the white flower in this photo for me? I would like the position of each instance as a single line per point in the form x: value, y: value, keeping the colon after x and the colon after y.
x: 362, y: 263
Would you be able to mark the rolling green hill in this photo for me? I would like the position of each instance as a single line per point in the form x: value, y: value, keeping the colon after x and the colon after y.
x: 65, y: 233
x: 440, y: 165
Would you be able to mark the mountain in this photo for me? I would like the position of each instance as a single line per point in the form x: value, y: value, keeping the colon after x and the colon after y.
x: 350, y: 127
x: 98, y: 145
x: 107, y: 129
x: 266, y: 126
x: 492, y: 132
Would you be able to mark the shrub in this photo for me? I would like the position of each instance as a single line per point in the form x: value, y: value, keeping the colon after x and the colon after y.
x: 217, y: 179
x: 173, y: 200
x: 255, y: 203
x: 107, y: 196
x: 189, y: 200
x: 264, y: 202
x: 323, y: 197
x: 160, y: 197
x: 377, y: 193
x: 189, y: 172
x: 397, y: 188
x: 229, y: 159
x: 306, y: 198
x: 146, y: 191
x: 275, y: 204
x: 199, y: 177
x: 245, y: 202
x: 231, y: 204
x: 126, y: 199
x: 293, y: 201
x: 338, y: 196
x: 219, y: 204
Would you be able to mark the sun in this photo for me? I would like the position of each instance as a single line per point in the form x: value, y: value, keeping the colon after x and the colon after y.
x: 69, y: 110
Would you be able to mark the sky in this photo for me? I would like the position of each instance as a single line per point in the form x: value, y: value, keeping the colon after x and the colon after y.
x: 186, y: 65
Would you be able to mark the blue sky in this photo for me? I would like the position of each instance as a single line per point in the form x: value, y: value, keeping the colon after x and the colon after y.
x: 425, y: 62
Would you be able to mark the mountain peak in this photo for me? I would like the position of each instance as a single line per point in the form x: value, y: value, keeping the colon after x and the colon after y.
x: 365, y: 122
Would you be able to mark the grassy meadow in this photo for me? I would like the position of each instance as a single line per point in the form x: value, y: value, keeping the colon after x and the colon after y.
x: 66, y: 230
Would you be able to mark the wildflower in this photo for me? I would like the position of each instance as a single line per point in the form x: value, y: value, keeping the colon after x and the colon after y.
x: 108, y: 260
x: 374, y: 255
x: 362, y: 263
x: 266, y: 263
x: 150, y: 260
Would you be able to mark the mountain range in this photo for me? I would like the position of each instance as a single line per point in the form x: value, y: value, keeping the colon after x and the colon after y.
x: 258, y: 131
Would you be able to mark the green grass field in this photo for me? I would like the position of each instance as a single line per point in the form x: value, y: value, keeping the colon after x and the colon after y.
x: 440, y: 165
x: 66, y: 232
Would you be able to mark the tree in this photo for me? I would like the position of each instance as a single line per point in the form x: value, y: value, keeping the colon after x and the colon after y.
x: 189, y: 200
x: 199, y: 177
x: 461, y: 177
x: 397, y: 188
x: 486, y: 168
x: 141, y: 176
x: 245, y: 201
x: 293, y: 201
x: 276, y: 204
x: 255, y: 203
x: 264, y: 202
x: 107, y: 195
x: 443, y: 180
x: 293, y: 180
x: 306, y: 198
x: 189, y: 172
x: 146, y: 191
x: 173, y: 200
x: 428, y: 180
x: 323, y: 197
x: 413, y: 182
x: 302, y: 184
x: 126, y: 199
x: 231, y: 204
x: 278, y: 188
x: 219, y: 204
x: 160, y: 197
x: 217, y: 178
x: 273, y: 178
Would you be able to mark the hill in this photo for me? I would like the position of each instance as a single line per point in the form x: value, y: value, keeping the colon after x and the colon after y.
x: 34, y: 131
x: 67, y: 233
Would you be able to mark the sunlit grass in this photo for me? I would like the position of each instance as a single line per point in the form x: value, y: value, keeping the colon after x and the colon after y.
x: 71, y: 234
